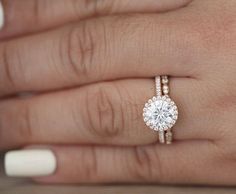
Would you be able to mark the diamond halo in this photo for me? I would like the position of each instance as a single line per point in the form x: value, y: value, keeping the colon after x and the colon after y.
x: 160, y: 113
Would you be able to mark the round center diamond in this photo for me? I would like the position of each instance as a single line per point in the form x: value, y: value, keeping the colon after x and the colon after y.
x: 160, y: 113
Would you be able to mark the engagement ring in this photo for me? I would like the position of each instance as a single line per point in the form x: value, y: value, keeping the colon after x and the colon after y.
x: 161, y: 113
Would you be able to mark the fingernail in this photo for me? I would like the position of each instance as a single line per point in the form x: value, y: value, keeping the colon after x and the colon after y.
x: 30, y: 163
x: 1, y: 15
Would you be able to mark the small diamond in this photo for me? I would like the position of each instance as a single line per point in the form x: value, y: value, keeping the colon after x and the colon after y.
x: 161, y: 113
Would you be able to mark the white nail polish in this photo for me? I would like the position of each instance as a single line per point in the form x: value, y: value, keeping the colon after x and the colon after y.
x: 1, y: 15
x: 30, y: 163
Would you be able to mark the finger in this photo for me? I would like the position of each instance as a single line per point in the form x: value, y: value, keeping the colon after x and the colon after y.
x: 105, y: 113
x: 181, y: 163
x: 45, y: 14
x: 99, y: 50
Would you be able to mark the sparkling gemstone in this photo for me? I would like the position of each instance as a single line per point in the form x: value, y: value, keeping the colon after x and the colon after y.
x: 160, y: 113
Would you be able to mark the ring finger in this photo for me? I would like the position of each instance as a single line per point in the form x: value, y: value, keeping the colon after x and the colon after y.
x: 104, y: 113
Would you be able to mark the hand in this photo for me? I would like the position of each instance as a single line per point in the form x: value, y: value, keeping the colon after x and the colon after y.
x: 92, y: 78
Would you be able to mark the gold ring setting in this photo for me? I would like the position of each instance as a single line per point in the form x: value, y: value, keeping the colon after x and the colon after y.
x: 160, y: 112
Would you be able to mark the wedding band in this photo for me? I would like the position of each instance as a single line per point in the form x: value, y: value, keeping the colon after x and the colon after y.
x: 160, y: 112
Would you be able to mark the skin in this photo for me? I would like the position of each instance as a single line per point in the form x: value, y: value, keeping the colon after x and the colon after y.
x: 90, y: 66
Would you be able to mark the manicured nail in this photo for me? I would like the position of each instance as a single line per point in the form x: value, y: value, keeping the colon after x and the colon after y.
x: 30, y: 163
x: 1, y: 15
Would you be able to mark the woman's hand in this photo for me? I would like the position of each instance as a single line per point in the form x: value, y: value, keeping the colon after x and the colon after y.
x: 93, y: 76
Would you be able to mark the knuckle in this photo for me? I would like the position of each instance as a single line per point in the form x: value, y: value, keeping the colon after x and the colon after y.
x: 100, y: 7
x: 17, y: 121
x: 14, y: 73
x: 7, y: 68
x: 33, y: 15
x: 106, y: 7
x: 11, y: 66
x: 81, y: 49
x: 36, y: 10
x: 89, y: 164
x: 146, y: 165
x: 104, y: 111
x: 3, y: 125
x: 23, y: 123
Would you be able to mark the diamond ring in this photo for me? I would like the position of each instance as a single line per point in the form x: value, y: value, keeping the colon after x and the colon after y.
x: 161, y: 113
